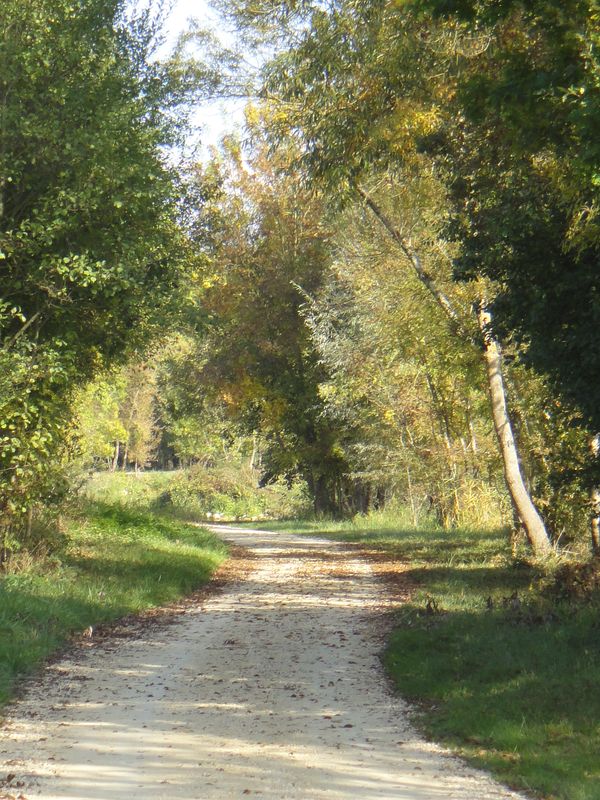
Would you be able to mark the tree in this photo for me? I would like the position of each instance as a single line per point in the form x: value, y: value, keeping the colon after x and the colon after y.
x: 91, y: 248
x: 360, y: 87
x: 268, y: 244
x: 99, y: 425
x: 139, y: 415
x: 407, y: 392
x: 522, y: 155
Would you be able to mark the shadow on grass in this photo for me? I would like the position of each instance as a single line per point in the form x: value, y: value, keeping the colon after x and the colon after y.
x: 519, y: 698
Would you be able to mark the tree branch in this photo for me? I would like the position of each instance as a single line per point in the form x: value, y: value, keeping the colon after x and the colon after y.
x: 440, y: 297
x: 8, y: 344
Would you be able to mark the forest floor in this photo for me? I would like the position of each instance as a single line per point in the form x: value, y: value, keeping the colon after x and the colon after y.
x: 269, y: 687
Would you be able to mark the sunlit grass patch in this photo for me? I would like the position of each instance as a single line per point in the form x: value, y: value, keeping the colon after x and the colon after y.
x: 227, y: 492
x: 115, y: 562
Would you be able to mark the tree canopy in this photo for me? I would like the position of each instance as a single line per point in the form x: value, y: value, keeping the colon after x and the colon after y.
x: 411, y: 224
x: 91, y: 248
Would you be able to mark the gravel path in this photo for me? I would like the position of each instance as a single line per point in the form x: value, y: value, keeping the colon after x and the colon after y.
x: 271, y: 688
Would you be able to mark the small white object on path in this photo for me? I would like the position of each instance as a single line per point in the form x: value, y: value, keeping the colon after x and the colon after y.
x: 271, y: 689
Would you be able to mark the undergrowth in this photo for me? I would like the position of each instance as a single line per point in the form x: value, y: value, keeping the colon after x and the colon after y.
x: 226, y: 492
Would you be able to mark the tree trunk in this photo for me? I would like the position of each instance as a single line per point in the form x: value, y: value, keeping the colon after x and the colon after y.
x: 535, y: 529
x: 254, y: 458
x: 125, y: 452
x: 532, y: 522
x: 115, y: 459
x: 411, y: 498
x: 595, y: 502
x: 323, y: 502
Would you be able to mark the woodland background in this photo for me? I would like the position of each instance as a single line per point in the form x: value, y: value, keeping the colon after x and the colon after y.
x: 374, y: 314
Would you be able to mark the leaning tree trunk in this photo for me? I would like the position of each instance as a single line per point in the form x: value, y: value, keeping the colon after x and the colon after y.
x: 535, y: 529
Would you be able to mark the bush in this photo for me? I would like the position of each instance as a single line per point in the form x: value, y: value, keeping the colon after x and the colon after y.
x: 225, y: 492
x: 232, y: 493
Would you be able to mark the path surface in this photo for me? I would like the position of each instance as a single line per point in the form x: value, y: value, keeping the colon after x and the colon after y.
x: 269, y: 689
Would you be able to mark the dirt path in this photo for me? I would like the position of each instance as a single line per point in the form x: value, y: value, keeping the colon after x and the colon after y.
x: 270, y: 689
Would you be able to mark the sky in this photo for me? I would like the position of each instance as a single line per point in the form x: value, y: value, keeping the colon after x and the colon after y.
x: 216, y: 118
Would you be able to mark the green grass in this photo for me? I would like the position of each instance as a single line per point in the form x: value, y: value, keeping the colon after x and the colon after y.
x: 141, y: 491
x: 115, y: 561
x: 514, y: 691
x: 227, y: 492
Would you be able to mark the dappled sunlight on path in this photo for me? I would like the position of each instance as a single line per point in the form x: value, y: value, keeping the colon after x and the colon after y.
x: 271, y: 689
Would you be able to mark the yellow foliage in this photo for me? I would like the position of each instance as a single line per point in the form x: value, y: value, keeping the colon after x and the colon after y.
x: 406, y: 124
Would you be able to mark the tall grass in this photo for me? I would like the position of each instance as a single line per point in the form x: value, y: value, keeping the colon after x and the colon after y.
x: 227, y: 492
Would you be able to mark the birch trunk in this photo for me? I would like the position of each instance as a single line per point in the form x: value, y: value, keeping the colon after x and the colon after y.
x: 535, y: 529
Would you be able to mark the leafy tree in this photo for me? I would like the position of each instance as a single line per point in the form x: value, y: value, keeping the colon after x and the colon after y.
x: 361, y: 87
x: 268, y: 243
x: 90, y: 241
x: 522, y: 155
x: 99, y: 424
x: 407, y: 391
x: 139, y: 415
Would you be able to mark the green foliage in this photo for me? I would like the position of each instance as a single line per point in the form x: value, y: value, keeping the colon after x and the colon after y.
x: 87, y: 202
x: 32, y: 435
x: 140, y: 492
x: 231, y: 493
x: 99, y: 420
x: 267, y: 237
x: 227, y: 491
x: 90, y: 243
x: 409, y: 394
x: 497, y: 105
x: 521, y: 149
x: 115, y: 561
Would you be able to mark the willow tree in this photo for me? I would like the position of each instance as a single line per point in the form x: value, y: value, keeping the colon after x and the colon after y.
x: 362, y: 87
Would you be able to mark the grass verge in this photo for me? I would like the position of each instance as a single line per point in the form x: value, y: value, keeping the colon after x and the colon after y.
x: 114, y: 561
x: 226, y: 492
x: 508, y: 678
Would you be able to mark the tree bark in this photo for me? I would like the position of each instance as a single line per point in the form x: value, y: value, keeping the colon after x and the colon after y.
x: 323, y: 501
x: 535, y: 529
x: 532, y: 522
x: 115, y: 459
